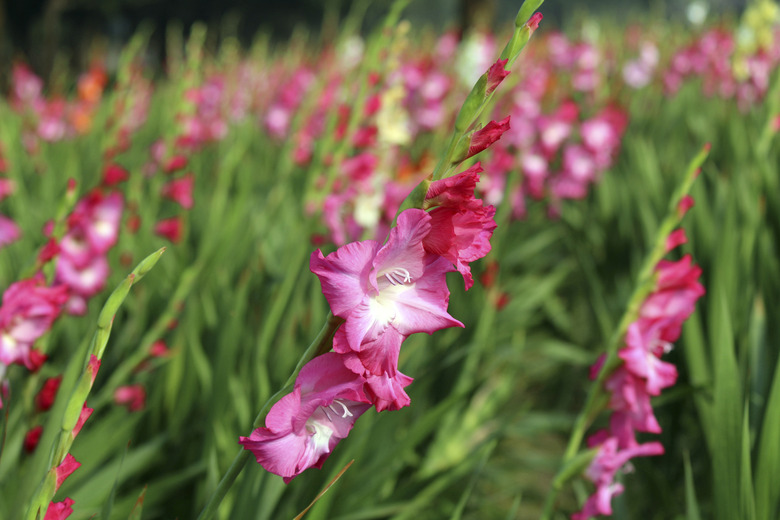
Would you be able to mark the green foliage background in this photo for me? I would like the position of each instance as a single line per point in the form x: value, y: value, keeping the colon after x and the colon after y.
x: 492, y: 404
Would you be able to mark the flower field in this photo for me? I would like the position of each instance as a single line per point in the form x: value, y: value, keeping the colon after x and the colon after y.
x: 397, y: 274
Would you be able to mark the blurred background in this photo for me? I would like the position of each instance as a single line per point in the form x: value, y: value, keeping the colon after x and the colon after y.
x: 37, y: 30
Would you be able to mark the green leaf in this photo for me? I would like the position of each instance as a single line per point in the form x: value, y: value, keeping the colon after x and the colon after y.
x: 135, y: 514
x: 691, y: 504
x: 109, y: 503
x: 748, y: 500
x: 768, y: 454
x: 725, y: 430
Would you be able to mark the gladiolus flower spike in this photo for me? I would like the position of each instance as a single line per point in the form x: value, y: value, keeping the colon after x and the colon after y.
x: 632, y: 371
x: 379, y: 294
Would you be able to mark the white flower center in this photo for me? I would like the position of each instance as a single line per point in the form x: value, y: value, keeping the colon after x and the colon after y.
x: 319, y: 435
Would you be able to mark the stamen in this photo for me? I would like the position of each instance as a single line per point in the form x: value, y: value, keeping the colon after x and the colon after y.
x: 665, y: 346
x: 398, y: 276
x: 345, y: 411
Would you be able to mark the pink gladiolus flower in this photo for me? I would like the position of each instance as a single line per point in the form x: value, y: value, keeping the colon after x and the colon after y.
x: 105, y: 214
x: 48, y: 251
x: 37, y: 359
x: 132, y: 396
x: 602, y: 470
x: 495, y: 75
x: 180, y: 191
x: 685, y: 204
x: 64, y: 470
x: 93, y: 227
x: 579, y: 164
x: 31, y: 439
x: 676, y: 238
x: 84, y: 281
x: 461, y: 227
x: 642, y: 357
x: 303, y: 427
x: 386, y: 392
x: 386, y: 292
x: 6, y: 185
x: 114, y: 174
x: 533, y: 22
x: 93, y: 366
x: 26, y: 87
x: 9, y: 231
x: 83, y: 416
x: 159, y: 349
x: 631, y: 407
x: 170, y: 228
x: 45, y: 398
x: 59, y: 510
x: 483, y: 138
x: 176, y: 163
x: 29, y: 308
x: 677, y: 289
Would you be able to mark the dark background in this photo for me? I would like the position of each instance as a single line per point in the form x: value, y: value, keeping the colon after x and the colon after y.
x: 37, y: 30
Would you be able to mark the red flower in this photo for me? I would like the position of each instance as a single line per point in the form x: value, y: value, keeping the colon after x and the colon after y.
x: 59, y: 510
x: 83, y: 416
x: 176, y: 163
x: 179, y: 191
x: 31, y: 439
x: 114, y: 174
x: 495, y: 75
x: 45, y: 398
x: 170, y: 228
x: 483, y: 138
x: 461, y: 227
x: 133, y: 396
x: 68, y: 466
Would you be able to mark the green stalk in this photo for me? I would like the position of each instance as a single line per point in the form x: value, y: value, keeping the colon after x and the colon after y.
x: 46, y: 489
x: 479, y: 98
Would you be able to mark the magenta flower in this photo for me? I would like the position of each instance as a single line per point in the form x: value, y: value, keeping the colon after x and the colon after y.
x: 29, y: 308
x: 677, y: 290
x: 631, y: 408
x: 641, y: 375
x: 32, y: 438
x: 65, y: 469
x: 47, y: 394
x: 82, y: 282
x: 603, y: 468
x: 386, y: 292
x: 385, y: 391
x: 59, y: 510
x: 642, y: 357
x: 114, y: 174
x: 461, y: 227
x: 83, y: 416
x: 676, y: 238
x: 9, y: 231
x: 170, y: 228
x: 180, y: 191
x: 303, y: 427
x: 93, y: 228
x: 132, y: 396
x: 495, y: 75
x: 484, y: 137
